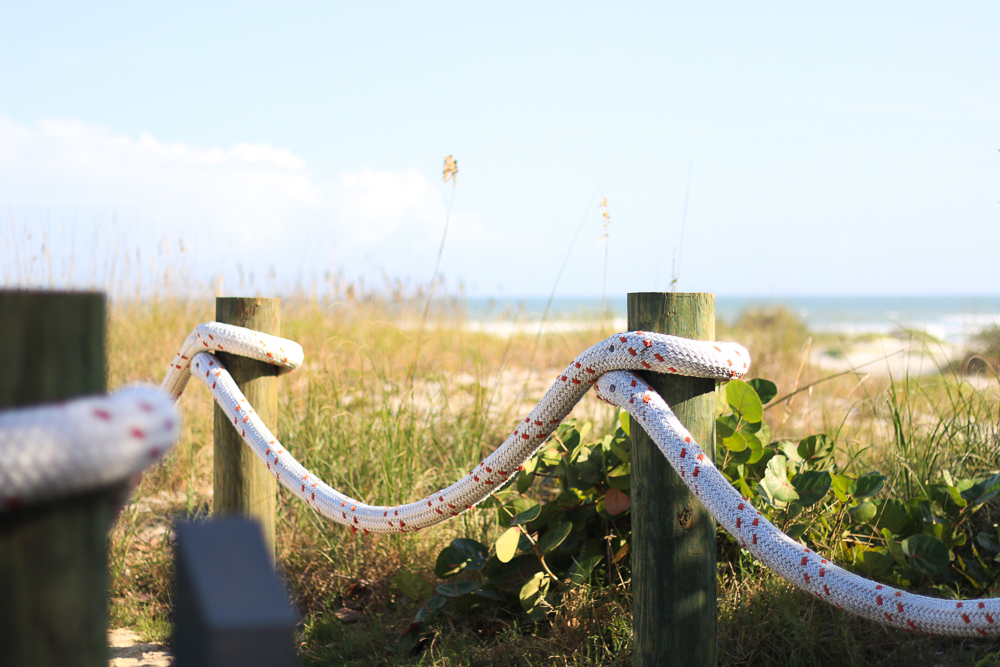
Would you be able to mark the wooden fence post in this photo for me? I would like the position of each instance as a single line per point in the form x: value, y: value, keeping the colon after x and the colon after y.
x: 53, y: 556
x: 673, y: 536
x: 230, y: 609
x: 242, y: 483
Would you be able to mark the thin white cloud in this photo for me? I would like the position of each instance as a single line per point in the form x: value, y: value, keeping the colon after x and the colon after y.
x: 253, y: 204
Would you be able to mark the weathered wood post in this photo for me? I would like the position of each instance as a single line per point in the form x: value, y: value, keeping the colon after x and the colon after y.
x: 673, y: 536
x: 230, y: 609
x: 53, y: 556
x: 242, y: 483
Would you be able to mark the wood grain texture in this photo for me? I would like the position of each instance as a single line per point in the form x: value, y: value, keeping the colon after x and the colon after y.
x: 53, y: 556
x: 243, y: 485
x: 673, y: 536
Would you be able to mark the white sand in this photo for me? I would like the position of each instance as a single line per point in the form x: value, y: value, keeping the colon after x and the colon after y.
x: 887, y: 356
x: 127, y: 651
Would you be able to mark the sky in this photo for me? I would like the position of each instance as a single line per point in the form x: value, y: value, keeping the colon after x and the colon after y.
x: 763, y: 150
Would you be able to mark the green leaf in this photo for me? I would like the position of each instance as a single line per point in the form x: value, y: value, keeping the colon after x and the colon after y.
x: 488, y: 593
x: 444, y: 567
x: 895, y: 548
x: 816, y: 449
x: 623, y: 419
x: 524, y: 481
x: 412, y: 585
x: 775, y: 482
x: 811, y: 486
x: 454, y: 589
x: 511, y: 576
x: 755, y: 446
x: 744, y: 401
x: 620, y: 477
x: 983, y: 491
x: 839, y: 484
x: 790, y: 450
x: 867, y: 485
x: 532, y: 594
x: 725, y: 427
x: 462, y: 554
x: 618, y: 449
x: 737, y: 442
x: 580, y: 571
x: 864, y: 512
x: 429, y: 609
x: 796, y: 531
x: 744, y: 488
x: 553, y: 537
x: 506, y: 546
x: 526, y: 516
x: 530, y: 465
x: 891, y: 515
x: 926, y: 554
x: 876, y: 562
x: 766, y: 390
x: 988, y: 541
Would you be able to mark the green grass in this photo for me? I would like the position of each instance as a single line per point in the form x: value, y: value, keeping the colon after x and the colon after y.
x: 357, y: 416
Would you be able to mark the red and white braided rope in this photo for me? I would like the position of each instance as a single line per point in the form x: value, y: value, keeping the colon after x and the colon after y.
x: 70, y: 452
x: 604, y: 365
x: 53, y: 451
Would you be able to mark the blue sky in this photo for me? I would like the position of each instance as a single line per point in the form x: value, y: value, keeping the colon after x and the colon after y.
x: 842, y: 150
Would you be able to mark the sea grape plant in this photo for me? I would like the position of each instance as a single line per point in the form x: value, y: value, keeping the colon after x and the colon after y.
x: 565, y: 518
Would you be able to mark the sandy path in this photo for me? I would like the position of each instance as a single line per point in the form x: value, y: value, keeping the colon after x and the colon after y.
x: 127, y: 651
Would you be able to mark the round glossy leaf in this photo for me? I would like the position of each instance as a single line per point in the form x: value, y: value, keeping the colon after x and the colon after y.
x: 448, y: 564
x: 815, y: 447
x: 737, y: 442
x: 755, y: 446
x: 475, y: 553
x: 811, y: 486
x: 983, y: 491
x: 876, y: 562
x: 725, y: 426
x: 620, y: 477
x: 453, y: 589
x: 429, y: 609
x: 616, y: 502
x: 891, y: 515
x: 744, y: 401
x: 775, y: 483
x: 623, y: 419
x: 926, y: 554
x: 534, y: 591
x: 412, y: 586
x: 553, y: 537
x: 507, y: 544
x: 867, y: 485
x: 766, y: 390
x: 526, y: 516
x: 864, y: 512
x: 511, y: 576
x: 524, y: 481
x: 489, y: 594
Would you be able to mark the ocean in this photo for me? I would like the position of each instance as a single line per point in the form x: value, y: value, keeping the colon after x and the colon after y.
x: 952, y: 319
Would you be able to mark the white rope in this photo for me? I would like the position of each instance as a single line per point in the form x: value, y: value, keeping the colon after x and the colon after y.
x: 73, y: 454
x: 53, y: 451
x: 605, y: 365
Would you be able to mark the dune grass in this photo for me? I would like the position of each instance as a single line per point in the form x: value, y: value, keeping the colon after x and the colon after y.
x: 358, y: 417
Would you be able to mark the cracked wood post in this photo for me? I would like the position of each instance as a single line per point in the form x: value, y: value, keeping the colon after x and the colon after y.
x: 54, y: 555
x: 673, y: 535
x: 243, y: 485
